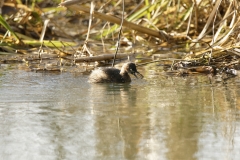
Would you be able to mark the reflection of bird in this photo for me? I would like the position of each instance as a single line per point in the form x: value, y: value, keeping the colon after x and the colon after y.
x: 108, y: 75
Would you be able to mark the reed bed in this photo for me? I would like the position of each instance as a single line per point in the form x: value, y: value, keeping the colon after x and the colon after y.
x: 77, y: 32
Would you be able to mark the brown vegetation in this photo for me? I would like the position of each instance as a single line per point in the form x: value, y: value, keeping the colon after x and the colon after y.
x: 206, y: 33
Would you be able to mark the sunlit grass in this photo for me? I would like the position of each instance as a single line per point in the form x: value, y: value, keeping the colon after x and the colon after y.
x: 200, y: 23
x: 8, y: 28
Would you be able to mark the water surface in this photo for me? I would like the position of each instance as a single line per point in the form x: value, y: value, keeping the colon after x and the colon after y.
x: 61, y: 116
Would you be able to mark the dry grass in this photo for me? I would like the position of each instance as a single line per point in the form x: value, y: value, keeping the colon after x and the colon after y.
x: 207, y: 30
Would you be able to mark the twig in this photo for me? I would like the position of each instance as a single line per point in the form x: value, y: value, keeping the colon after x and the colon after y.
x: 84, y: 48
x: 44, y: 30
x: 119, y: 34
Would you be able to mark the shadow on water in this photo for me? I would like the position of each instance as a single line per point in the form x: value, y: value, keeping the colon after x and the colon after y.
x: 62, y: 116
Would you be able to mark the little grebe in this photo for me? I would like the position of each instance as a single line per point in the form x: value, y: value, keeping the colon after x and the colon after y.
x: 113, y: 75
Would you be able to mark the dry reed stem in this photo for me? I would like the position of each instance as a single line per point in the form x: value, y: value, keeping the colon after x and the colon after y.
x: 101, y: 57
x: 113, y: 19
x: 209, y: 21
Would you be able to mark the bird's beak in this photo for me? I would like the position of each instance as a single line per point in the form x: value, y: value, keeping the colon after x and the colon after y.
x: 137, y: 75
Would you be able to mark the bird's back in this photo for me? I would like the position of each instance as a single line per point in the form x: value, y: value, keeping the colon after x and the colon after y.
x: 108, y: 75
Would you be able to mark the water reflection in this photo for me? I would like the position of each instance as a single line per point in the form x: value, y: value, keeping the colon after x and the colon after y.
x: 117, y: 133
x: 61, y: 116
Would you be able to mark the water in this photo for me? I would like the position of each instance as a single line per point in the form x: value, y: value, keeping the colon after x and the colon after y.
x: 61, y: 116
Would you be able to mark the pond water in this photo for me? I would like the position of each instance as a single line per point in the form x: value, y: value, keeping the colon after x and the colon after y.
x: 61, y: 116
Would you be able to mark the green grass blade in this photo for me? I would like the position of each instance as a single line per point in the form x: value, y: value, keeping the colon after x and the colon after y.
x: 5, y: 25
